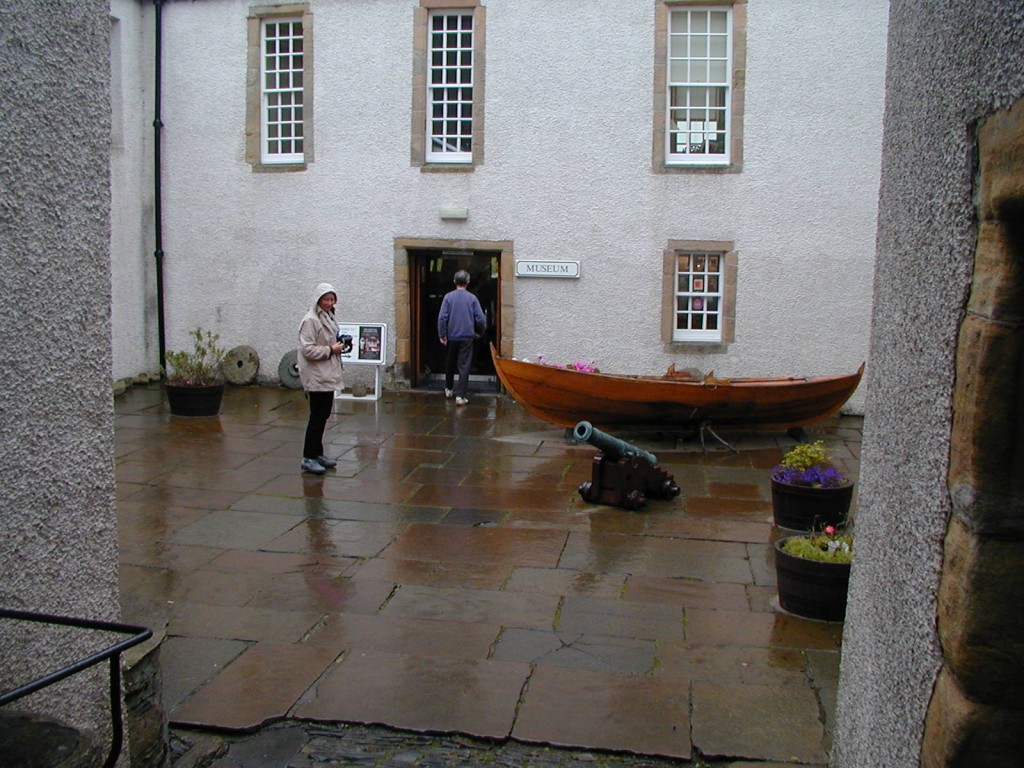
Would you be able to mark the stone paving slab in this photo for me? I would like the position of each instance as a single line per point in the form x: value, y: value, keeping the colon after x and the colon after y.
x: 576, y: 651
x: 757, y: 721
x: 260, y: 686
x: 419, y: 693
x: 241, y: 622
x: 195, y: 660
x: 609, y: 710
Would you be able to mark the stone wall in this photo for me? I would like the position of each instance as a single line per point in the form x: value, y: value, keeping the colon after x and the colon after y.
x: 976, y: 712
x: 938, y: 500
x: 144, y: 713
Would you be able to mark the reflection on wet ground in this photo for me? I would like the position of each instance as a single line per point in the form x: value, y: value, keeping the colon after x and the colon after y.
x: 448, y: 578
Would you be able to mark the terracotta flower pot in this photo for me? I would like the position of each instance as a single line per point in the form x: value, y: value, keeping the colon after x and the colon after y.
x: 805, y: 508
x: 194, y: 400
x: 811, y: 588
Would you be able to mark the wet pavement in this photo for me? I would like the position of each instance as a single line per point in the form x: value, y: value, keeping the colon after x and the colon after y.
x: 445, y: 597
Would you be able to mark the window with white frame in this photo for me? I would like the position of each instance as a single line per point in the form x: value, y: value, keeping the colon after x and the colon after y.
x: 282, y: 79
x: 450, y: 83
x: 699, y: 85
x: 279, y: 88
x: 699, y: 292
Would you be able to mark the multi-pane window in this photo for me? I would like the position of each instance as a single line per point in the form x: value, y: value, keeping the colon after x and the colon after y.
x: 698, y: 296
x: 450, y: 87
x: 699, y: 84
x: 281, y: 68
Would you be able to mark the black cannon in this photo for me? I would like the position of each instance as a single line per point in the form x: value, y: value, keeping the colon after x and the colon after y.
x: 623, y: 475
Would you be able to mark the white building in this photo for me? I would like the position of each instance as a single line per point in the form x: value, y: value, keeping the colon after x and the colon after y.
x: 707, y: 173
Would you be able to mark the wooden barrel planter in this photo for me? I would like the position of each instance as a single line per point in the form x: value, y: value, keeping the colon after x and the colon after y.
x: 806, y: 508
x: 811, y: 588
x: 194, y: 400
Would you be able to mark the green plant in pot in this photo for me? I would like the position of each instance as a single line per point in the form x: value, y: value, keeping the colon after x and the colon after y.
x: 813, y: 573
x: 194, y: 379
x: 808, y: 490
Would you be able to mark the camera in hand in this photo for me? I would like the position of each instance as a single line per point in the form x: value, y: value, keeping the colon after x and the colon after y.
x: 346, y: 342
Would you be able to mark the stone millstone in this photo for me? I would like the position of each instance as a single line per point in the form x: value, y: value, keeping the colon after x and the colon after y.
x: 241, y: 365
x: 288, y: 370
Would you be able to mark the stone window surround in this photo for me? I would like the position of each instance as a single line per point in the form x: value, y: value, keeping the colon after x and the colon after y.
x: 253, y: 91
x: 668, y: 297
x: 403, y: 293
x: 736, y: 93
x: 418, y: 148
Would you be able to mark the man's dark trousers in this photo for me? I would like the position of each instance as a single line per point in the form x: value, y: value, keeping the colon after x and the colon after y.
x: 460, y: 353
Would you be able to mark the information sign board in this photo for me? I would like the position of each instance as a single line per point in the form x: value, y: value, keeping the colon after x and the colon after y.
x: 369, y: 343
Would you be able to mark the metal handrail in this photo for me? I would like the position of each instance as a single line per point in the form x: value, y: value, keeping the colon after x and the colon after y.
x: 113, y: 653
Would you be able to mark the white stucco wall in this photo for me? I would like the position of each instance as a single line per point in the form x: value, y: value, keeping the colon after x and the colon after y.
x: 567, y: 175
x: 133, y: 270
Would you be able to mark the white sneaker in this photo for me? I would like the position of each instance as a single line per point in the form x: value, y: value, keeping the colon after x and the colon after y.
x: 461, y: 400
x: 312, y: 465
x: 448, y: 393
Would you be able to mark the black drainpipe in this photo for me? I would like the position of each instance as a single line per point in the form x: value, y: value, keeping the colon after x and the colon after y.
x: 158, y: 253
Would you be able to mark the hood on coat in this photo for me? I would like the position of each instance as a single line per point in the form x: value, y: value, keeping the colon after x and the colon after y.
x: 322, y: 290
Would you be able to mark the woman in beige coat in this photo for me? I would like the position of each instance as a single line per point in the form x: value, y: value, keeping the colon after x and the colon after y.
x: 319, y: 364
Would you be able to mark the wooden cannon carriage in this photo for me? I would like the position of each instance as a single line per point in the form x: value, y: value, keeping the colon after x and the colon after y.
x: 622, y: 474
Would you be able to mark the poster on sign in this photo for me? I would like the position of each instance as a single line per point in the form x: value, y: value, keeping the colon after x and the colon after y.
x: 369, y: 343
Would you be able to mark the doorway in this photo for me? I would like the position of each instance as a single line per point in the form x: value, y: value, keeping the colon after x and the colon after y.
x: 432, y: 271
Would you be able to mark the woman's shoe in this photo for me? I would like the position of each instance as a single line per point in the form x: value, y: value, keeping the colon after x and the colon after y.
x: 323, y: 461
x: 312, y: 465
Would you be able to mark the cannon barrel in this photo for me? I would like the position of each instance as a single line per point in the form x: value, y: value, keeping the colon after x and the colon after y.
x: 585, y: 432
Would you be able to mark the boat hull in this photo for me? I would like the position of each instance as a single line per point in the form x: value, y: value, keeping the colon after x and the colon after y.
x: 565, y: 397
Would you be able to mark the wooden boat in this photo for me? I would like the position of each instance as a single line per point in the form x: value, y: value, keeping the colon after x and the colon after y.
x: 674, y: 400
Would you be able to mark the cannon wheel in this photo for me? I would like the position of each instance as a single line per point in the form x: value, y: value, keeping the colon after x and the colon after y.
x: 634, y: 500
x: 585, y: 490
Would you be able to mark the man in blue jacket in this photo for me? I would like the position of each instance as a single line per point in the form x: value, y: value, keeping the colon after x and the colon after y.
x: 458, y: 323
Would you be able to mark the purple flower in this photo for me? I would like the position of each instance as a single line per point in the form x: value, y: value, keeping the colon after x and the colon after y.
x: 817, y: 476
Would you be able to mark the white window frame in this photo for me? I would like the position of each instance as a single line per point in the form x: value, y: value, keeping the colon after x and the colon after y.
x: 723, y: 291
x: 293, y: 90
x: 448, y: 69
x: 698, y: 287
x: 699, y: 64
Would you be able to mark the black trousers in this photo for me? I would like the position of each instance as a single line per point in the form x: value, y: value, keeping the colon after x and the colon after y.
x: 321, y: 404
x: 460, y: 353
